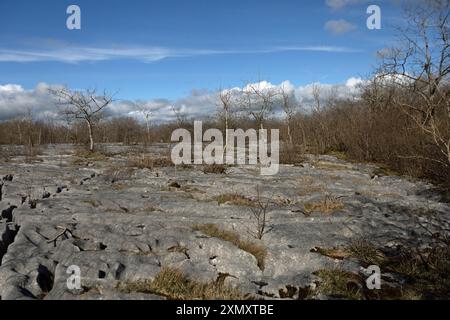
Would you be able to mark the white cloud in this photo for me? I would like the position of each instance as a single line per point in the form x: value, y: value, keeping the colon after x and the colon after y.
x: 15, y: 101
x: 75, y: 54
x: 260, y: 86
x: 339, y: 4
x: 287, y: 86
x: 10, y: 88
x: 332, y: 49
x: 339, y: 27
x: 92, y: 54
x: 304, y: 96
x: 354, y: 82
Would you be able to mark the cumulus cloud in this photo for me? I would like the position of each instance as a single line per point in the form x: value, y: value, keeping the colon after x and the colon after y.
x: 15, y: 101
x: 339, y: 27
x: 10, y: 88
x: 350, y: 89
x: 354, y: 82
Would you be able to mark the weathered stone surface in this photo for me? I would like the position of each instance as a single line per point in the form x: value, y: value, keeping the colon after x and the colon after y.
x: 56, y: 214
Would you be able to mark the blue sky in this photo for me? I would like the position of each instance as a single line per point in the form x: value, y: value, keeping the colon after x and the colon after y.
x: 166, y: 48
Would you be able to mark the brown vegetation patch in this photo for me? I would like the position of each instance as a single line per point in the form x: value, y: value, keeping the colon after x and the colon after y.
x: 174, y: 285
x: 257, y: 250
x: 338, y: 253
x: 119, y: 186
x: 117, y: 173
x: 418, y: 273
x: 310, y: 190
x: 94, y: 203
x: 327, y: 205
x: 293, y: 156
x: 235, y: 199
x: 341, y: 284
x: 150, y: 162
x: 90, y: 155
x: 214, y: 169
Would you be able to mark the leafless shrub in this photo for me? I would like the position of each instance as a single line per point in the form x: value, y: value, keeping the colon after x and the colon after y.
x: 259, y: 217
x: 290, y: 154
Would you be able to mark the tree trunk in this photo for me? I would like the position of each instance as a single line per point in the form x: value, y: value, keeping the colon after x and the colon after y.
x: 304, y: 142
x: 91, y: 136
x: 226, y: 129
x: 289, y: 131
x: 20, y: 134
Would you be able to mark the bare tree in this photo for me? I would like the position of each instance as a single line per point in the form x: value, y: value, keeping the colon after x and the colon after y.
x: 317, y: 97
x: 179, y: 115
x: 85, y: 106
x: 29, y: 132
x: 289, y: 108
x: 419, y: 68
x: 258, y: 102
x: 147, y: 114
x: 226, y: 100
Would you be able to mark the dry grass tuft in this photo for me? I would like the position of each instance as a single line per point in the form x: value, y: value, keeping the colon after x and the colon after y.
x: 340, y: 284
x: 94, y: 203
x: 174, y: 285
x: 235, y: 199
x: 339, y: 154
x: 117, y: 173
x: 79, y: 162
x: 88, y: 155
x: 214, y: 169
x: 425, y: 273
x: 328, y: 205
x: 150, y: 162
x: 383, y: 170
x: 311, y: 190
x: 334, y: 253
x: 306, y: 180
x: 151, y: 208
x: 367, y: 253
x: 257, y: 250
x: 119, y: 186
